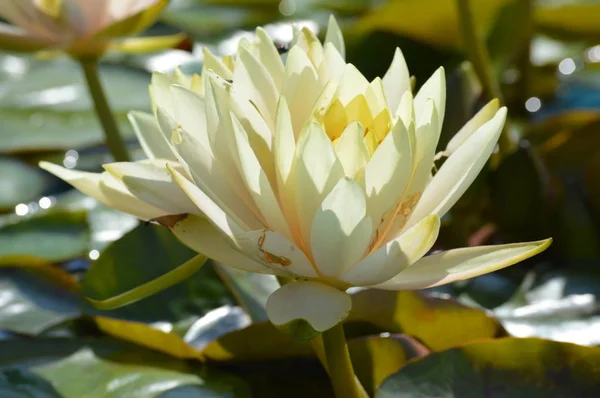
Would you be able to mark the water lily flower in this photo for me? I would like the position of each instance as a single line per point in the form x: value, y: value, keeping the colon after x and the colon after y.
x: 81, y: 28
x: 306, y: 170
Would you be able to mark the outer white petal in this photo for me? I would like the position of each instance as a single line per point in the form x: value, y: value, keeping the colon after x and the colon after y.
x: 160, y: 92
x: 260, y: 135
x: 277, y: 252
x: 252, y: 82
x: 460, y: 170
x: 301, y: 87
x: 396, y: 80
x: 459, y: 264
x: 434, y: 88
x: 406, y: 109
x: 257, y: 182
x: 151, y: 182
x: 427, y: 136
x: 92, y: 185
x: 483, y: 116
x: 189, y: 112
x: 211, y: 178
x: 341, y: 230
x: 320, y: 305
x: 396, y: 255
x: 269, y: 57
x: 200, y: 235
x: 334, y: 36
x: 153, y: 141
x: 388, y: 172
x: 351, y: 149
x: 317, y: 171
x: 223, y: 221
x: 218, y: 120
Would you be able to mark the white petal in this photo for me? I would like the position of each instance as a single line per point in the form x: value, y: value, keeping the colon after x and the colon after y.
x: 483, y: 116
x: 334, y: 36
x: 460, y: 170
x: 320, y: 305
x: 151, y: 182
x: 253, y: 83
x: 189, y: 112
x: 152, y: 140
x: 284, y: 154
x: 341, y: 229
x: 351, y: 149
x: 396, y: 255
x: 210, y: 62
x: 224, y: 222
x: 212, y: 179
x: 434, y: 88
x: 277, y: 252
x: 218, y: 113
x: 260, y: 135
x: 352, y: 84
x: 406, y: 110
x: 269, y: 57
x: 301, y: 88
x: 332, y: 66
x: 92, y: 184
x: 460, y: 264
x: 306, y: 40
x: 396, y: 80
x: 317, y: 171
x: 375, y: 96
x: 427, y: 136
x: 388, y: 172
x: 257, y: 182
x: 200, y: 235
x: 160, y: 92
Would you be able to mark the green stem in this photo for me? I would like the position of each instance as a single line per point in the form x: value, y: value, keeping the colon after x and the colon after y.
x: 345, y: 384
x: 112, y: 136
x: 479, y: 57
x: 524, y: 61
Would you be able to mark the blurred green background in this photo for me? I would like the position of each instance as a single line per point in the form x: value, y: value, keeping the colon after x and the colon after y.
x: 57, y: 245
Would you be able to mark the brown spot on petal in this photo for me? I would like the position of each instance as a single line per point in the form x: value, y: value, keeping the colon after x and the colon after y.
x: 270, y: 257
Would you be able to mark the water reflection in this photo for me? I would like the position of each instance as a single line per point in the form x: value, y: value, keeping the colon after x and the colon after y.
x: 21, y: 209
x: 94, y: 254
x: 71, y: 158
x: 567, y: 66
x: 533, y: 104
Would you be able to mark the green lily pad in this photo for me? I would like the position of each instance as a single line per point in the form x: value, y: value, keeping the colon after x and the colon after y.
x: 112, y: 369
x: 19, y: 383
x: 423, y: 316
x: 19, y: 181
x: 140, y: 256
x: 30, y: 304
x: 44, y: 105
x: 52, y: 236
x: 501, y: 368
x: 374, y: 358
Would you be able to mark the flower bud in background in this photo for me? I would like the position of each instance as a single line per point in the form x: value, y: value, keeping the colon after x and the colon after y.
x: 305, y: 169
x: 81, y: 28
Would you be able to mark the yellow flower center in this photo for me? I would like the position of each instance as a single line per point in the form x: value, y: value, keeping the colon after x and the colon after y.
x: 338, y: 116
